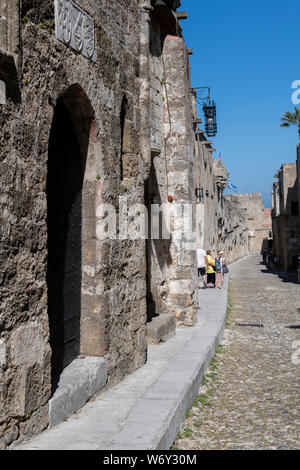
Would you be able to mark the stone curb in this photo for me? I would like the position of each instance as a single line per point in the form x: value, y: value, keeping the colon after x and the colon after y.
x: 146, y: 410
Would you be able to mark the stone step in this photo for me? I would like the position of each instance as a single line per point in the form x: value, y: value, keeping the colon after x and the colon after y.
x: 79, y: 382
x: 161, y: 328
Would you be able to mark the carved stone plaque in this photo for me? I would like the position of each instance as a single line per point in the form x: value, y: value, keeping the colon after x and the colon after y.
x: 75, y: 28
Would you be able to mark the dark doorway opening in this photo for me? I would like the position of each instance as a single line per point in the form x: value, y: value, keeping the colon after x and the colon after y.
x: 64, y: 223
x: 157, y: 249
x: 151, y: 197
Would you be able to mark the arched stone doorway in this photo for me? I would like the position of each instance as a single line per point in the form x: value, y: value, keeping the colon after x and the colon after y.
x: 73, y: 189
x: 75, y: 306
x: 64, y: 223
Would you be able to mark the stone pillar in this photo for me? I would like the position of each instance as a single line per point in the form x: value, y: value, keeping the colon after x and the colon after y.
x: 146, y: 9
x: 179, y: 144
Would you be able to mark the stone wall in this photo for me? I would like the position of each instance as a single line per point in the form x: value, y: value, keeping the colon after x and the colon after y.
x: 179, y: 147
x: 235, y: 230
x: 170, y: 267
x: 260, y: 221
x: 102, y: 99
x: 222, y: 220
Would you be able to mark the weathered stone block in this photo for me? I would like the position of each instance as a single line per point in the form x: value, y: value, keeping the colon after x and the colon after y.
x: 130, y: 138
x: 89, y: 204
x: 179, y: 273
x: 178, y: 178
x: 78, y: 383
x: 27, y: 345
x: 93, y: 338
x: 89, y: 229
x: 130, y: 165
x: 11, y: 435
x: 38, y: 422
x: 181, y: 300
x: 88, y: 251
x: 33, y: 390
x: 179, y: 286
x: 161, y: 328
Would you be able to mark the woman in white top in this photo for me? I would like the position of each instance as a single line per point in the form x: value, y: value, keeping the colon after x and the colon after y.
x: 201, y: 259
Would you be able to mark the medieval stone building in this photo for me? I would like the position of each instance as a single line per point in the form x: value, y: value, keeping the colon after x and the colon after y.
x: 223, y: 220
x: 259, y: 221
x: 97, y: 112
x: 286, y: 215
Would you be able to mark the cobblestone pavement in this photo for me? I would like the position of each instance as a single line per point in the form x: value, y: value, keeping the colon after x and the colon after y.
x: 250, y: 398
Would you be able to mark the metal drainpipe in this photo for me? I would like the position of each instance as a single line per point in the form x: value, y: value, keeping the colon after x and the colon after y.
x: 145, y: 139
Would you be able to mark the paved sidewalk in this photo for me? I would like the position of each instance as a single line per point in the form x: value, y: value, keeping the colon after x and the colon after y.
x: 146, y: 410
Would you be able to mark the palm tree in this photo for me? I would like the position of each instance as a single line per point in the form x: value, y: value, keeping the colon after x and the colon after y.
x: 290, y: 119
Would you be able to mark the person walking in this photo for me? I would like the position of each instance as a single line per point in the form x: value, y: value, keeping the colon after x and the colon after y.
x: 264, y: 255
x: 220, y: 268
x: 201, y: 260
x: 210, y: 270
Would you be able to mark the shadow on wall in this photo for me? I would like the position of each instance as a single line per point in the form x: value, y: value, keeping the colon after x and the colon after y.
x: 156, y: 249
x: 161, y: 16
x: 64, y: 221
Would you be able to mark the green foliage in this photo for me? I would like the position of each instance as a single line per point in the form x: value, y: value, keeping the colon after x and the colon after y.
x: 213, y: 365
x: 202, y: 400
x: 187, y: 432
x: 291, y: 119
x: 48, y: 25
x: 198, y: 424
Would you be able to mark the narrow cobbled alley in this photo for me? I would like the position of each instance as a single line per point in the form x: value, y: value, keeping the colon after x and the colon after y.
x: 250, y: 398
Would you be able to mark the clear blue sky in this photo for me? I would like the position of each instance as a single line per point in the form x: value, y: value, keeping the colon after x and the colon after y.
x: 248, y: 51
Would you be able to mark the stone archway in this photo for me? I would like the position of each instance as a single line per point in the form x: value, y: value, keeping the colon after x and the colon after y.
x: 76, y: 318
x: 64, y: 224
x: 74, y: 189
